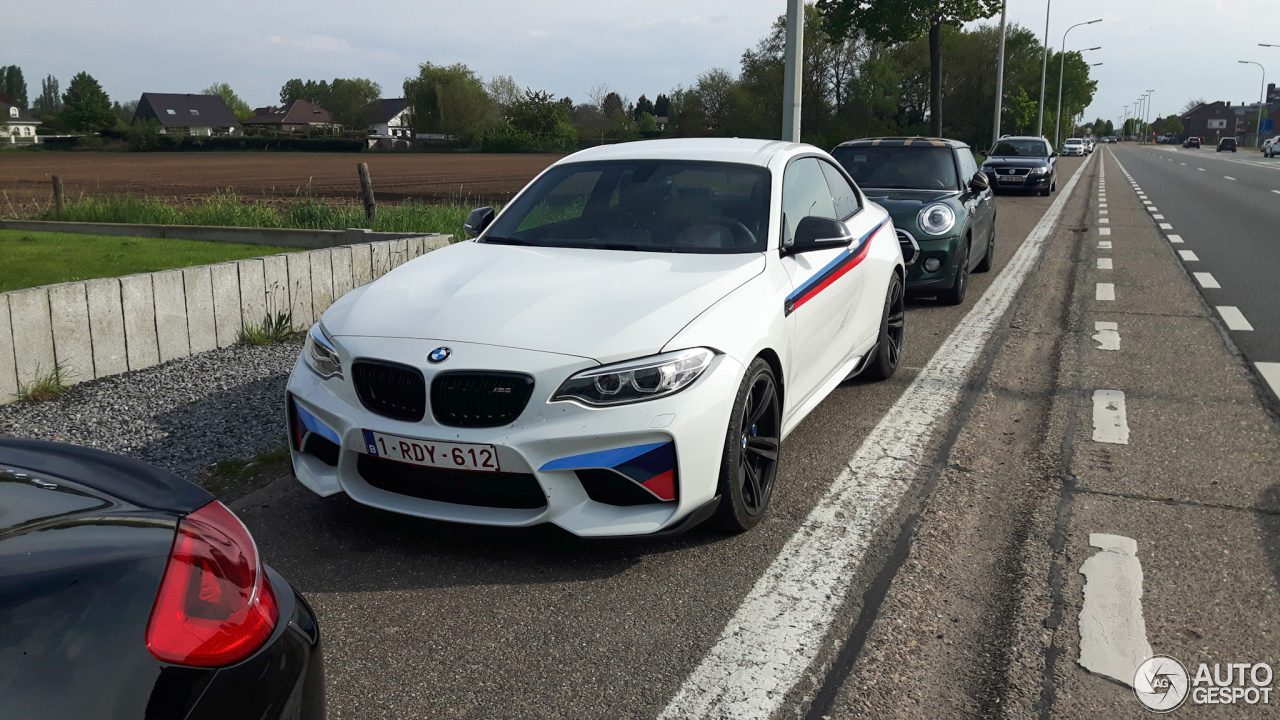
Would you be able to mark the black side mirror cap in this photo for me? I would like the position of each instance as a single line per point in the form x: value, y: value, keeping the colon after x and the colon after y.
x: 818, y: 233
x: 979, y: 181
x: 1053, y: 154
x: 478, y: 220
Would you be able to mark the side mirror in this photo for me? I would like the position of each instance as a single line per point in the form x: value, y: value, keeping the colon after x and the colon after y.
x: 979, y: 182
x: 818, y: 233
x: 1053, y: 153
x: 478, y: 220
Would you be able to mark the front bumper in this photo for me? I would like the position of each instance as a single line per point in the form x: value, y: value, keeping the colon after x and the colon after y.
x: 923, y: 282
x: 549, y: 441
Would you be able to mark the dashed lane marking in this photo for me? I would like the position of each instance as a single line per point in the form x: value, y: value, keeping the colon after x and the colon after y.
x: 1234, y: 319
x: 1206, y: 281
x: 1113, y: 633
x: 1157, y: 216
x: 1228, y: 177
x: 1102, y: 212
x: 1103, y: 220
x: 1188, y: 256
x: 1109, y: 422
x: 1200, y: 169
x: 1152, y: 208
x: 1105, y: 292
x: 1175, y: 239
x: 1104, y: 244
x: 1166, y: 226
x: 1107, y: 336
x: 1104, y: 231
x: 1104, y: 264
x: 1270, y: 372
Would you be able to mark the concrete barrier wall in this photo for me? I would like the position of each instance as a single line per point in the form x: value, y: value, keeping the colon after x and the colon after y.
x: 275, y: 237
x: 108, y: 326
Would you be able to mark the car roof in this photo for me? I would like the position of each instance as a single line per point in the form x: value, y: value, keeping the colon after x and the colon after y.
x: 747, y: 151
x: 905, y: 141
x: 1023, y: 137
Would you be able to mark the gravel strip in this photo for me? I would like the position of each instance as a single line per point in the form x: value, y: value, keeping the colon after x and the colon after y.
x: 183, y: 416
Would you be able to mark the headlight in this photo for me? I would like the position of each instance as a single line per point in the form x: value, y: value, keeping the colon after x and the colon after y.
x: 320, y: 354
x: 1038, y: 170
x: 936, y: 219
x: 636, y: 380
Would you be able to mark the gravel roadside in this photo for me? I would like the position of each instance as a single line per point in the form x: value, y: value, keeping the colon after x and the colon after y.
x: 184, y: 416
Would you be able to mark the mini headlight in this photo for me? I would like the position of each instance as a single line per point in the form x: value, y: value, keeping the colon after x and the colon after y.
x: 937, y: 219
x: 320, y: 354
x: 636, y: 380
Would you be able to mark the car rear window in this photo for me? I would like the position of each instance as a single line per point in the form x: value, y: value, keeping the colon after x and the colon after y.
x: 899, y: 166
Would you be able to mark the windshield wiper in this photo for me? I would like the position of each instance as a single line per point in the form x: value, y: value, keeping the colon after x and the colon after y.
x: 506, y: 241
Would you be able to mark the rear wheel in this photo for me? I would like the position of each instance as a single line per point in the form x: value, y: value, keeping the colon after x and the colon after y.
x: 888, y: 352
x: 955, y: 294
x: 749, y: 465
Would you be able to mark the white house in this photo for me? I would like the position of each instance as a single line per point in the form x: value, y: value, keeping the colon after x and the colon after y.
x: 389, y: 118
x: 16, y: 126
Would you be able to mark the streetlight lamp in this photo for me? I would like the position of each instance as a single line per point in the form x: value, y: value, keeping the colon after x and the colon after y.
x: 1062, y: 70
x: 1262, y: 100
x: 995, y: 134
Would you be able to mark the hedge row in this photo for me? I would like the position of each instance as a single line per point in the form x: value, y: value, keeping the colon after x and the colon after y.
x: 196, y: 144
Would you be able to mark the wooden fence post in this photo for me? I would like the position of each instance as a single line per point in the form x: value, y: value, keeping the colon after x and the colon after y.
x: 366, y: 192
x: 57, y: 195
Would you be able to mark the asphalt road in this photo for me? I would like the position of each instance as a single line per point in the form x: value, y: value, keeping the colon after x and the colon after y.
x: 425, y: 619
x: 1226, y: 209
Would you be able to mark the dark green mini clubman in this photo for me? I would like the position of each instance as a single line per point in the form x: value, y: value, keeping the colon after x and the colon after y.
x: 941, y: 204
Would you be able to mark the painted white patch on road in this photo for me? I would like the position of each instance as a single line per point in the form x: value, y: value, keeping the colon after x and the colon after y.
x: 1153, y: 209
x: 1228, y: 177
x: 778, y: 630
x: 1270, y: 371
x: 1104, y: 264
x: 1276, y: 192
x: 1102, y: 205
x: 1188, y: 256
x: 1113, y: 633
x: 1182, y: 163
x: 1105, y: 292
x: 1104, y: 231
x: 1234, y: 319
x: 1177, y: 239
x: 1166, y: 226
x: 1104, y: 221
x: 1104, y: 244
x: 1107, y: 335
x: 1157, y: 216
x: 1110, y: 425
x: 1200, y: 169
x: 1206, y: 280
x: 1102, y: 212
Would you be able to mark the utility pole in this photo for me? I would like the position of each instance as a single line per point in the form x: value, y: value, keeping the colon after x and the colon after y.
x: 1044, y: 68
x: 1062, y: 70
x: 1147, y: 118
x: 1262, y: 100
x: 995, y: 134
x: 793, y: 71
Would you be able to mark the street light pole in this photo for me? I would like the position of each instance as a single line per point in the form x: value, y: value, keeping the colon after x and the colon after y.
x: 1125, y: 122
x: 1062, y: 70
x: 1147, y: 118
x: 793, y: 71
x: 1044, y: 67
x: 995, y: 134
x: 1262, y: 100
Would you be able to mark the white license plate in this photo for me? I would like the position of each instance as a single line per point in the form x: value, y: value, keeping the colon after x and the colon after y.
x: 432, y: 453
x: 1010, y: 179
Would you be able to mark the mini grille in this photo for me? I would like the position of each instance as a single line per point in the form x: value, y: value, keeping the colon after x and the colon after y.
x: 910, y: 250
x: 476, y: 399
x: 390, y: 389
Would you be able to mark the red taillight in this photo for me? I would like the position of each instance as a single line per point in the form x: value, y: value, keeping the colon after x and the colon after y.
x: 215, y: 605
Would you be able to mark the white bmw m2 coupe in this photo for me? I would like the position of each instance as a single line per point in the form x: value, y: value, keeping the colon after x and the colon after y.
x: 619, y: 351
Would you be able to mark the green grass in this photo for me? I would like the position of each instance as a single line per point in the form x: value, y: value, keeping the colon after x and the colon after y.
x: 47, y: 386
x: 232, y: 479
x: 43, y: 258
x: 272, y: 329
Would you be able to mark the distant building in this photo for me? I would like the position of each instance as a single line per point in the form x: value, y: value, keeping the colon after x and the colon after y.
x: 1211, y: 121
x: 388, y: 118
x: 297, y: 115
x: 16, y: 126
x: 196, y: 114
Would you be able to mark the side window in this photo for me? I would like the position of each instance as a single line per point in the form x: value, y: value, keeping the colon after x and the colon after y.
x: 804, y: 192
x: 845, y: 197
x: 968, y: 166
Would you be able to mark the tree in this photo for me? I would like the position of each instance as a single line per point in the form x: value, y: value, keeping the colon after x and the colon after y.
x: 13, y: 85
x: 904, y: 20
x: 716, y: 88
x: 348, y: 98
x: 125, y: 112
x: 450, y: 99
x: 661, y: 106
x: 646, y: 125
x: 1022, y: 110
x: 611, y: 105
x: 49, y: 101
x: 643, y: 105
x: 1108, y: 129
x: 296, y: 89
x: 504, y: 90
x: 239, y: 107
x: 1173, y: 125
x: 87, y: 107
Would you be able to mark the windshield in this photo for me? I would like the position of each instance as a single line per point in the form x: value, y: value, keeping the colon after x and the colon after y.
x: 899, y: 166
x: 643, y: 205
x: 1021, y: 148
x: 1073, y: 141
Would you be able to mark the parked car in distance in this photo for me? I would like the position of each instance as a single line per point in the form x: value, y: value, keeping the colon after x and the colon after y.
x: 609, y: 353
x: 128, y: 592
x: 1271, y: 147
x: 1073, y: 147
x: 1111, y: 139
x: 1022, y: 163
x: 1227, y: 144
x: 942, y: 207
x: 1088, y: 146
x: 1191, y: 142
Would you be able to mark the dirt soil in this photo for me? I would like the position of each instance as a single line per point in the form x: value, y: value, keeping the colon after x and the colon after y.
x: 25, y: 177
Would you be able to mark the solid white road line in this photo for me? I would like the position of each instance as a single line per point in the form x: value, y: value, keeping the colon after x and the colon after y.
x: 1109, y: 422
x: 1175, y: 239
x: 1104, y: 231
x: 1166, y: 226
x: 769, y: 643
x: 1228, y: 177
x: 1276, y: 192
x: 1234, y: 319
x: 1108, y: 335
x: 1104, y: 264
x: 1113, y: 633
x: 1105, y: 292
x: 1188, y: 256
x: 1104, y: 244
x: 1270, y: 372
x: 1206, y: 280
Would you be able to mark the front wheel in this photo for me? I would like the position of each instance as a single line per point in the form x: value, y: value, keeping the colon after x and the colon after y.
x: 888, y: 350
x: 955, y: 294
x: 989, y: 258
x: 752, y: 445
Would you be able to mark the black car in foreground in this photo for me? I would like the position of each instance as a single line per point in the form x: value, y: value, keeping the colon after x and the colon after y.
x: 128, y: 592
x: 1022, y: 164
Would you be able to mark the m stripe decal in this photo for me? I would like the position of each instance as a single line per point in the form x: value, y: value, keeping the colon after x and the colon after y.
x: 834, y: 270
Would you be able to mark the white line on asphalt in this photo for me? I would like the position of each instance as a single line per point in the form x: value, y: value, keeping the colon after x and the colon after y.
x: 1146, y: 202
x: 1270, y: 372
x: 1157, y: 216
x: 1228, y: 177
x: 1234, y: 319
x: 1102, y: 205
x: 1104, y: 244
x: 1105, y: 292
x: 1113, y: 633
x: 1274, y: 191
x: 1104, y: 231
x: 1109, y: 422
x: 777, y: 631
x: 1166, y: 226
x: 1188, y: 256
x: 1206, y: 280
x: 1102, y: 212
x: 1152, y: 208
x: 1182, y: 163
x: 1104, y: 221
x: 1200, y: 169
x: 1104, y: 264
x: 1175, y: 238
x: 1108, y: 335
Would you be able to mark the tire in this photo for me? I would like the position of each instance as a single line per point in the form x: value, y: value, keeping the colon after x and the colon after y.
x: 749, y: 465
x: 989, y: 258
x: 892, y: 325
x: 955, y: 294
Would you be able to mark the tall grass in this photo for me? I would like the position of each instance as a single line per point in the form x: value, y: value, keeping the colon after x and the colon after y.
x: 226, y: 209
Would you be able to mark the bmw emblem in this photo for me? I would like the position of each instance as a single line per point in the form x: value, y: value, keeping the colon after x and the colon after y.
x: 439, y: 355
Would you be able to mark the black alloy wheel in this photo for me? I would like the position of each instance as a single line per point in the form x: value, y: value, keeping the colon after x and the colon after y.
x: 749, y: 467
x: 989, y: 258
x: 888, y: 351
x: 955, y: 294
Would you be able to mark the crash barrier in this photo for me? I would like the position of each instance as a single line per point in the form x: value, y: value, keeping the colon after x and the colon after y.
x: 97, y: 328
x: 275, y: 237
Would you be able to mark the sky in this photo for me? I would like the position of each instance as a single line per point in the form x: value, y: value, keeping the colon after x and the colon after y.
x: 1181, y: 49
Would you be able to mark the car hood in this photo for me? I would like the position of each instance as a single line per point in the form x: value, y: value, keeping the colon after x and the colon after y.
x: 605, y: 305
x: 904, y: 205
x: 1015, y: 161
